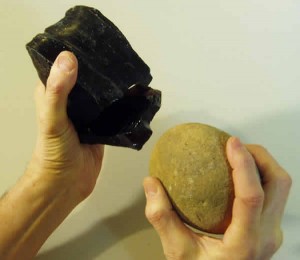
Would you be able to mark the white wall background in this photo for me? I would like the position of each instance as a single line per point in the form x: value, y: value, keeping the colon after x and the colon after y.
x: 232, y: 64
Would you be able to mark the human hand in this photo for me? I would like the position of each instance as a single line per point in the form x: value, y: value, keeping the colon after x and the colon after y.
x: 258, y: 207
x: 58, y: 153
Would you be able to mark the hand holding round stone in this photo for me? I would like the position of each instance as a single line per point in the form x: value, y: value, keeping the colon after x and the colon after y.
x: 209, y: 180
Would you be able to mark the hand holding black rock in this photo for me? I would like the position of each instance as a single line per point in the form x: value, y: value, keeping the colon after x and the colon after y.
x: 111, y: 102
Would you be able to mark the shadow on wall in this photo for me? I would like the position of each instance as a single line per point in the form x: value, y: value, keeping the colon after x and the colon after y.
x: 91, y: 243
x: 278, y: 132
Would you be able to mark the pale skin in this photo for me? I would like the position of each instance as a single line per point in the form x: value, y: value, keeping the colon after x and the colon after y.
x: 63, y: 172
x: 255, y: 230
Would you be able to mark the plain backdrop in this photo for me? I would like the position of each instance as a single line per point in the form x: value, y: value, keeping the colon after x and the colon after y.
x: 232, y: 64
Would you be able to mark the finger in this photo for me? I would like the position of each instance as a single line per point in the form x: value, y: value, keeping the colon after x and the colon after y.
x: 276, y: 181
x: 176, y: 238
x: 60, y: 82
x: 249, y: 195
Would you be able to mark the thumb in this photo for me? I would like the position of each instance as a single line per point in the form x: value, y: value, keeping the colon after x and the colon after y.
x: 60, y: 82
x: 177, y: 240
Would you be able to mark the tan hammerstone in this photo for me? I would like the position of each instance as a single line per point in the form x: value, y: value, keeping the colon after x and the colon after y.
x: 190, y: 161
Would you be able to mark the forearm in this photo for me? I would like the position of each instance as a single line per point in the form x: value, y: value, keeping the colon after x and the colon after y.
x: 61, y: 173
x: 31, y: 211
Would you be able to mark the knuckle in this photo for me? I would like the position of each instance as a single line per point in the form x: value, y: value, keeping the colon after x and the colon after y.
x: 56, y: 130
x: 250, y: 250
x: 155, y: 217
x: 285, y: 181
x: 54, y: 86
x: 251, y: 253
x: 273, y: 244
x: 255, y: 200
x: 50, y: 126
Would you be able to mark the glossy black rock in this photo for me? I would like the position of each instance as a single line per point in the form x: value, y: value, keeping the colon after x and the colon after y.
x: 111, y: 102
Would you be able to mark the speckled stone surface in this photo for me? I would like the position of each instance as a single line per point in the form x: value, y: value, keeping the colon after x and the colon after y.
x: 190, y: 161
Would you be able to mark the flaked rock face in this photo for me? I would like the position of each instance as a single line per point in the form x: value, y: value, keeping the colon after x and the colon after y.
x: 190, y: 161
x: 111, y: 102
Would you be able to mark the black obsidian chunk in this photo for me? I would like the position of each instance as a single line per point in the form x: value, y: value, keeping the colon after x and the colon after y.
x: 111, y: 102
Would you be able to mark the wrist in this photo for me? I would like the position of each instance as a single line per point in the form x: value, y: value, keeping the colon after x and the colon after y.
x: 32, y: 210
x: 52, y: 182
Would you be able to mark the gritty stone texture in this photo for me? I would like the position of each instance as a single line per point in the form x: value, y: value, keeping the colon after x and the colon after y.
x: 190, y: 161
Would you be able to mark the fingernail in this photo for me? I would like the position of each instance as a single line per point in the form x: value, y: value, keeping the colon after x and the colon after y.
x: 150, y: 189
x: 65, y: 63
x: 236, y: 144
